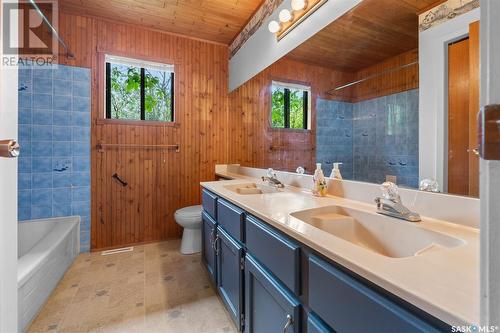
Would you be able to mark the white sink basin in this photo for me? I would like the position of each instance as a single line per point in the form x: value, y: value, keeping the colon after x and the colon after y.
x: 251, y: 188
x: 384, y: 235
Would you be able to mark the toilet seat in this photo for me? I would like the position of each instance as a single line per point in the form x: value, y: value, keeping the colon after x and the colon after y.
x: 189, y: 217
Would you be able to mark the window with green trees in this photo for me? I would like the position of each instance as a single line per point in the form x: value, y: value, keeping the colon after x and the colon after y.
x: 138, y: 90
x: 289, y: 105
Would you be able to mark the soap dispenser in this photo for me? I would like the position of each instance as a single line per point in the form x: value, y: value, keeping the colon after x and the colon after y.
x: 336, y: 171
x: 319, y: 182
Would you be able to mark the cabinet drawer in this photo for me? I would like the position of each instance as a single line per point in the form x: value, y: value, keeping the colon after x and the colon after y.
x: 231, y: 218
x: 269, y: 306
x: 316, y: 325
x: 277, y: 253
x: 209, y: 202
x: 347, y: 305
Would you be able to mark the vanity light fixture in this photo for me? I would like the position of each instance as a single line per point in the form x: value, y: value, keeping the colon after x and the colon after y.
x: 301, y: 9
x: 298, y: 4
x: 285, y: 16
x: 274, y: 26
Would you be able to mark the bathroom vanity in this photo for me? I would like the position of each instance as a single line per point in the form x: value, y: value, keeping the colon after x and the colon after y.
x: 285, y: 261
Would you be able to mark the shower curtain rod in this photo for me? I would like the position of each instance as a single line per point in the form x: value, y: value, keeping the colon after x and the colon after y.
x: 69, y: 54
x: 331, y: 91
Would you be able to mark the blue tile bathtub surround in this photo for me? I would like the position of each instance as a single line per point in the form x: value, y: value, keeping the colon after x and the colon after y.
x: 373, y: 138
x: 54, y: 130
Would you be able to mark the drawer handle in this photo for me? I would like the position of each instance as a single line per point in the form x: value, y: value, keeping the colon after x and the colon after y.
x: 215, y: 245
x: 289, y: 322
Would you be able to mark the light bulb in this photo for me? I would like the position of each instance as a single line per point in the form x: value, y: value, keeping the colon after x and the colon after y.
x: 274, y: 26
x: 298, y: 4
x: 285, y: 16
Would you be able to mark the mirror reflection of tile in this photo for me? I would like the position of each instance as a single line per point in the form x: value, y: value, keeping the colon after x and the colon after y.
x: 372, y: 138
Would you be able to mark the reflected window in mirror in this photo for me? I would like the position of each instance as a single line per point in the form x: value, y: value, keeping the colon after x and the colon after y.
x: 290, y: 105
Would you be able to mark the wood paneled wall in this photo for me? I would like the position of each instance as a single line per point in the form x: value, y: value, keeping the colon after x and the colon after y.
x: 252, y: 140
x: 159, y: 181
x: 390, y: 83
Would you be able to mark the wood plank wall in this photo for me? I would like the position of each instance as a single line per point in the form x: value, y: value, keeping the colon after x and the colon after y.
x: 390, y: 83
x: 251, y: 135
x: 160, y: 181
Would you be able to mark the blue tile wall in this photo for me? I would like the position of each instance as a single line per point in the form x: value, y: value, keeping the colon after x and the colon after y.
x: 54, y: 131
x: 373, y: 138
x: 334, y: 136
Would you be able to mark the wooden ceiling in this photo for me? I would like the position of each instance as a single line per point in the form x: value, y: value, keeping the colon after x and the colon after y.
x: 370, y: 33
x: 214, y: 20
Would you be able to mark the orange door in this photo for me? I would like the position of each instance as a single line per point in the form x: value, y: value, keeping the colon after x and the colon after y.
x: 458, y: 117
x: 473, y: 108
x: 463, y: 107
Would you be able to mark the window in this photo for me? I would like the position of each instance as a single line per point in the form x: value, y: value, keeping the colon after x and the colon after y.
x: 138, y: 90
x: 290, y: 105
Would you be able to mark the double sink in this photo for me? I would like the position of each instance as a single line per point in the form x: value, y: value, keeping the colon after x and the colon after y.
x: 373, y: 232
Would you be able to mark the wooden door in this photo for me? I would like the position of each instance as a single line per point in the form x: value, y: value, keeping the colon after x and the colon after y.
x: 463, y: 108
x: 473, y: 108
x: 458, y: 117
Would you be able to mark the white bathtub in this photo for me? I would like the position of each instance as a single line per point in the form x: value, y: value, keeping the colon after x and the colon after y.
x: 46, y: 250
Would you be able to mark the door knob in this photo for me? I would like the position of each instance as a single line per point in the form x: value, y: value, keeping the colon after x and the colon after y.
x: 475, y: 151
x: 9, y: 148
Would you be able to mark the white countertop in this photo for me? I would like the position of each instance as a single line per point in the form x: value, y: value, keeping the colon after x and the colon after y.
x: 443, y: 283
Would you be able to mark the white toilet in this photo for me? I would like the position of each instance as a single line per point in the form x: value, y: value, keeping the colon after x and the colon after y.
x: 190, y: 219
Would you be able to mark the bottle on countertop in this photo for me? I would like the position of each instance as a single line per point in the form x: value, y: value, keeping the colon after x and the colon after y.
x: 319, y: 182
x: 336, y: 171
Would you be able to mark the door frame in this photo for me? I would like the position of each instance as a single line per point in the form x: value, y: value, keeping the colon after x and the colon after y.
x: 490, y: 170
x: 8, y: 192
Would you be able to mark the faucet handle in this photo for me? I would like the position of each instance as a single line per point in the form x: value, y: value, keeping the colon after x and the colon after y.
x: 390, y: 191
x: 271, y: 173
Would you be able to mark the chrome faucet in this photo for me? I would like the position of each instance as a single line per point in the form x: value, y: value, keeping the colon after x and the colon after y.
x: 272, y: 180
x: 390, y: 204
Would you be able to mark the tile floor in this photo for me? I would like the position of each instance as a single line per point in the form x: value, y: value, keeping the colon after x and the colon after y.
x: 153, y: 289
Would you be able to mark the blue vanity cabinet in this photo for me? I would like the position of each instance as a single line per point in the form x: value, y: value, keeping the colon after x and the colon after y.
x: 269, y: 306
x: 230, y: 270
x: 348, y: 306
x: 209, y: 233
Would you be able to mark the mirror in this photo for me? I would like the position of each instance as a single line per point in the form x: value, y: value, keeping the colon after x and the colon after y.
x: 354, y: 94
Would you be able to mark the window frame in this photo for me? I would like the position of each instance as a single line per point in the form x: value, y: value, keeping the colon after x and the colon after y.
x: 142, y: 65
x: 306, y: 112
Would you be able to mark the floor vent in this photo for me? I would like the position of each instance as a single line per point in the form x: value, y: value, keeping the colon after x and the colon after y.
x: 116, y: 251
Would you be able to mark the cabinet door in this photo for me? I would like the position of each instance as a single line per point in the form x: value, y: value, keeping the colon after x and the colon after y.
x: 316, y: 325
x: 269, y: 306
x: 230, y: 274
x: 209, y: 232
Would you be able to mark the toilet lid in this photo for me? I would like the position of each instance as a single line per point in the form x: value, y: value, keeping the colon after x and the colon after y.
x: 191, y: 212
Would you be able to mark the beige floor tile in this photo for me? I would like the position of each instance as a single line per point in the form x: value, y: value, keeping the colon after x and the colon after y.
x: 152, y: 289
